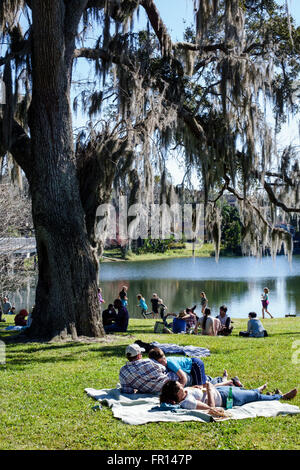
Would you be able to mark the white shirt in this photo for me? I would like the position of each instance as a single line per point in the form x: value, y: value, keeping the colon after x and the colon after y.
x: 212, y: 326
x: 199, y: 394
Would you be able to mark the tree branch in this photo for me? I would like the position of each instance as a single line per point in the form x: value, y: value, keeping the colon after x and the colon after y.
x: 158, y: 25
x: 20, y: 147
x: 25, y: 50
x: 254, y: 207
x: 102, y: 54
x: 196, y: 47
x: 73, y: 14
x: 276, y: 201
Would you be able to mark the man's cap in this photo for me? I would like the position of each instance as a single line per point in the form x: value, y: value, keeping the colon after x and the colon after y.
x: 133, y: 350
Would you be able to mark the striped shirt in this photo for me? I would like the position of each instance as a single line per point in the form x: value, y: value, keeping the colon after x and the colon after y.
x: 145, y: 376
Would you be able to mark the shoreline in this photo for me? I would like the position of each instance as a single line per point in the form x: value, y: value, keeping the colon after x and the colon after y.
x: 205, y: 251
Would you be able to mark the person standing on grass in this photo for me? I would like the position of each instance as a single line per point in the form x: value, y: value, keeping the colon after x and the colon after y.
x: 204, y: 301
x: 154, y: 302
x: 6, y: 306
x: 101, y: 300
x: 265, y: 302
x: 162, y: 308
x: 123, y: 296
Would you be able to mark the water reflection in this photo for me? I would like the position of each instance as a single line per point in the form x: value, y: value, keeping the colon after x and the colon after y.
x: 236, y: 282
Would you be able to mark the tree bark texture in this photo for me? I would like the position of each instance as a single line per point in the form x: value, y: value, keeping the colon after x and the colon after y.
x: 66, y: 295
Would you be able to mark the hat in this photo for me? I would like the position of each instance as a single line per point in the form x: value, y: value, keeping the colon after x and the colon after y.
x: 133, y: 350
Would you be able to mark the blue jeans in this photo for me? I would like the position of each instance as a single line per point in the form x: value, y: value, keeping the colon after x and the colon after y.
x: 198, y: 372
x: 241, y: 396
x: 113, y: 328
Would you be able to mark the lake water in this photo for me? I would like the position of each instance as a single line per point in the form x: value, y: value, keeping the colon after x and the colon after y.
x: 236, y: 282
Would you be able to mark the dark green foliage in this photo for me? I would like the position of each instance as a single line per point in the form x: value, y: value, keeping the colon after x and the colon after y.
x: 231, y: 229
x: 156, y: 246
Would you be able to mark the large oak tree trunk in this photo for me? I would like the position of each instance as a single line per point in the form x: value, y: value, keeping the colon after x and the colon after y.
x: 66, y: 295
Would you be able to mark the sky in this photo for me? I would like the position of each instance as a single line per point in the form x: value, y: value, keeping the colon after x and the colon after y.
x: 173, y: 12
x: 181, y: 15
x: 177, y: 15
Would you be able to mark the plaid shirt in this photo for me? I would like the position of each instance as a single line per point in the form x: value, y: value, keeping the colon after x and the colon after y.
x: 145, y: 376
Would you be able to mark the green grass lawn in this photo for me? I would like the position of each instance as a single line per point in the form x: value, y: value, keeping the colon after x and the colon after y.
x: 201, y: 251
x: 44, y: 406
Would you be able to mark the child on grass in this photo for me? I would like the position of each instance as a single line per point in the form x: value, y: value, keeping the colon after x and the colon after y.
x: 265, y: 302
x: 142, y: 304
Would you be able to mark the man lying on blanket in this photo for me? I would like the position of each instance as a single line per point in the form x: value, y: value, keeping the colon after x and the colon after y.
x: 149, y: 375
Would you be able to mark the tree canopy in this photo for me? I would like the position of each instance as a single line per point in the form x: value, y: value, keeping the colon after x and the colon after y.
x: 207, y: 97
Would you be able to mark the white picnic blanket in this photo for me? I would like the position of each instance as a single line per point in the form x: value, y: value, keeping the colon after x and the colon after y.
x: 143, y: 408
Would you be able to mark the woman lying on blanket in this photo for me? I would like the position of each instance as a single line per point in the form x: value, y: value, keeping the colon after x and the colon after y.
x: 190, y: 371
x: 212, y: 399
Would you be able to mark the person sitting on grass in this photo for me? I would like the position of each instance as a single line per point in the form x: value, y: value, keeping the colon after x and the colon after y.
x: 109, y: 315
x: 191, y: 322
x: 120, y: 323
x: 209, y: 326
x: 226, y: 327
x: 20, y: 318
x: 212, y: 398
x: 255, y: 327
x: 179, y: 321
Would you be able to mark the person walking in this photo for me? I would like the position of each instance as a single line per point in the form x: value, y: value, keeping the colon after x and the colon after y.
x: 265, y: 302
x: 142, y: 304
